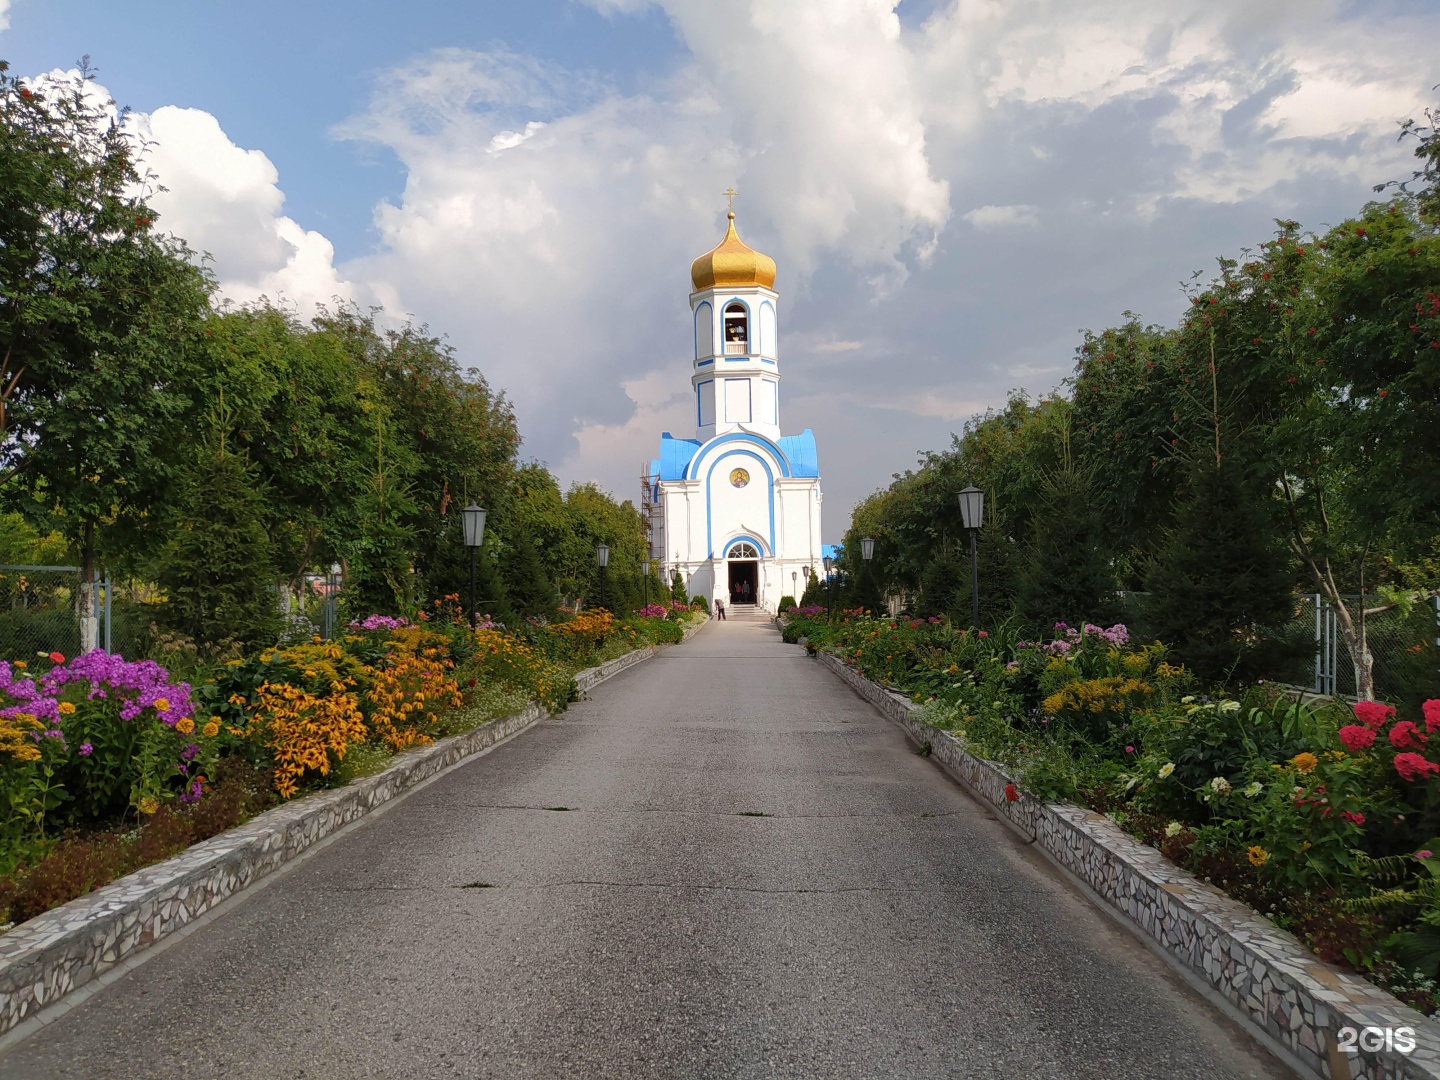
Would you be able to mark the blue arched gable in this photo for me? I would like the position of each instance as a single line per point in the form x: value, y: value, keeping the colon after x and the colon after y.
x: 708, y: 318
x: 709, y: 508
x: 693, y: 470
x: 744, y: 538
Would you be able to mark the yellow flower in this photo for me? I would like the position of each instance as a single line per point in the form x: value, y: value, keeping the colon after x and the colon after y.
x: 211, y: 729
x: 1257, y: 855
x: 66, y: 708
x: 1305, y: 762
x: 1166, y: 769
x: 185, y: 725
x: 162, y: 704
x: 148, y: 805
x: 21, y: 664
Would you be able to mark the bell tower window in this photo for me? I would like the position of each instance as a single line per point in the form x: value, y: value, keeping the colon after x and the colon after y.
x: 737, y: 329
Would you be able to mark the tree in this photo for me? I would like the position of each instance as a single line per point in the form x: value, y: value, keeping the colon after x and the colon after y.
x: 1066, y: 575
x: 1220, y: 589
x: 216, y: 569
x: 99, y: 321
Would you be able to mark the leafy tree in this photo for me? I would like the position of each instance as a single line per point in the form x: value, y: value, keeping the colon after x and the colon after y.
x: 99, y: 320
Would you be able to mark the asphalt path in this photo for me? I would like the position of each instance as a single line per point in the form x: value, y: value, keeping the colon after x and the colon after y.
x: 725, y: 864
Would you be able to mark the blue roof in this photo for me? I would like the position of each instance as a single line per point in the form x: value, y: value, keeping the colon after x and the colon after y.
x: 800, y: 449
x: 675, y: 455
x: 831, y: 550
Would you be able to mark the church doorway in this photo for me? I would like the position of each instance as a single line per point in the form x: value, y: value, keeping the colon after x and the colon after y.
x: 744, y: 581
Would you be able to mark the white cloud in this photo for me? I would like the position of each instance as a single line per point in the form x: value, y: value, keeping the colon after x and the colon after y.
x: 4, y: 15
x: 1019, y: 215
x: 226, y: 201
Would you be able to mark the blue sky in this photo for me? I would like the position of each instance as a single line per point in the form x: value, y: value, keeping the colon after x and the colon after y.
x: 952, y: 188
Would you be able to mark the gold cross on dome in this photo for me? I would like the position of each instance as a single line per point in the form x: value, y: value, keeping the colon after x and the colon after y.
x: 730, y: 194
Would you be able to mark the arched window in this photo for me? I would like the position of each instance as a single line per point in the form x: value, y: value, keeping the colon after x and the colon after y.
x: 743, y: 550
x: 737, y: 329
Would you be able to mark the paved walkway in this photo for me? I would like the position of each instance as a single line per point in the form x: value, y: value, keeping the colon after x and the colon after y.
x: 875, y: 922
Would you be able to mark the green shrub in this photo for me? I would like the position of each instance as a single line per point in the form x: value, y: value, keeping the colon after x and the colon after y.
x: 701, y: 603
x: 786, y: 603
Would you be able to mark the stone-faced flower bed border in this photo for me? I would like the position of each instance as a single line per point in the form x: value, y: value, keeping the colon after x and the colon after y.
x: 54, y: 954
x: 1294, y: 1002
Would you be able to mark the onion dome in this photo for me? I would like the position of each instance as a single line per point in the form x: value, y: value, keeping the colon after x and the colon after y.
x: 732, y: 263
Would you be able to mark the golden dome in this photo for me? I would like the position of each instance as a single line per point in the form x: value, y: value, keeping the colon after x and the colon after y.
x: 731, y: 263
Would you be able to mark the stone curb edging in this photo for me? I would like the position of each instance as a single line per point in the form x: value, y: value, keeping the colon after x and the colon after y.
x: 1294, y: 1000
x: 62, y: 950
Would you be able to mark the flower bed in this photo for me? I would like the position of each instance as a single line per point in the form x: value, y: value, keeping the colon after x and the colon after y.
x: 107, y: 765
x: 1323, y: 818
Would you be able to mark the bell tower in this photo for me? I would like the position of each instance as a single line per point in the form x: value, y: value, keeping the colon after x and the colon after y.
x: 736, y: 376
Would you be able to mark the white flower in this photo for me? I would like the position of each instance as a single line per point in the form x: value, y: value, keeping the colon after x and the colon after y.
x: 1187, y: 699
x: 1220, y: 785
x: 1229, y: 706
x: 1166, y: 769
x: 1173, y: 829
x: 1254, y: 789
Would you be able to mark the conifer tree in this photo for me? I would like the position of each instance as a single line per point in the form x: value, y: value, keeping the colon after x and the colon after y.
x: 216, y: 568
x: 1066, y: 576
x: 1220, y: 589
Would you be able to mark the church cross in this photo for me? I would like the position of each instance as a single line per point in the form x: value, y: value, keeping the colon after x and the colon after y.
x: 730, y: 194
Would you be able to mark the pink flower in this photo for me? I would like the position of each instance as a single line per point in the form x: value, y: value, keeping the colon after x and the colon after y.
x: 86, y: 749
x: 1405, y: 735
x: 1356, y: 738
x: 1373, y: 713
x: 1413, y: 767
x: 1425, y: 854
x: 1431, y: 711
x: 984, y: 633
x: 1353, y: 817
x: 1129, y: 749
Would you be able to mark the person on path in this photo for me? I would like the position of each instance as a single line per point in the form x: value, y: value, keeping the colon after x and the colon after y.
x: 719, y: 608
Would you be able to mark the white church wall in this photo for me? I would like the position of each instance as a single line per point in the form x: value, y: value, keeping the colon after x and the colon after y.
x: 735, y: 509
x: 706, y: 390
x: 704, y: 331
x: 767, y: 330
x: 737, y: 401
x: 765, y: 401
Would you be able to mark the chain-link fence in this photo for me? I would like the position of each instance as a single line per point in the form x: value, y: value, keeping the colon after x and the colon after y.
x: 40, y: 610
x: 1405, y: 646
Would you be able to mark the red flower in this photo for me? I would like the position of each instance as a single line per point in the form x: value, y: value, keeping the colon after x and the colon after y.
x: 1405, y: 735
x: 1414, y: 767
x: 1431, y: 711
x: 1373, y: 714
x: 57, y: 657
x: 1011, y: 795
x: 24, y: 93
x: 1353, y: 817
x: 1356, y: 738
x: 986, y: 633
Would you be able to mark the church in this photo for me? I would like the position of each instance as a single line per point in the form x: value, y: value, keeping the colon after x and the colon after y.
x: 736, y: 510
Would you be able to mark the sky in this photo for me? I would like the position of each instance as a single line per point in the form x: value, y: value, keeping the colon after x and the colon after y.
x: 952, y: 189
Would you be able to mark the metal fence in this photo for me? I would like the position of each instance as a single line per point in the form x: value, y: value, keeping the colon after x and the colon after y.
x: 1405, y: 647
x: 40, y: 610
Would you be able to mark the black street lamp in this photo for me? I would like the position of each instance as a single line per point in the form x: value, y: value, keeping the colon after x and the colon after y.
x: 972, y: 513
x: 829, y: 597
x: 602, y: 560
x: 646, y: 564
x: 474, y: 521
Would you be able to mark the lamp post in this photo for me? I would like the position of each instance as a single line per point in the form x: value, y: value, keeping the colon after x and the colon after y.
x: 645, y: 563
x: 972, y: 513
x: 474, y: 520
x: 332, y: 600
x: 829, y: 598
x: 602, y: 560
x: 867, y: 552
x: 795, y: 584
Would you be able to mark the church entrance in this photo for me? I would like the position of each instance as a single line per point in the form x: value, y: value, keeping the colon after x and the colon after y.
x: 744, y: 580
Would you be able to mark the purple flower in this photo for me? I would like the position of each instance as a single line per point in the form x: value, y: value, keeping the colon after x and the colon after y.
x: 86, y: 749
x: 191, y: 749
